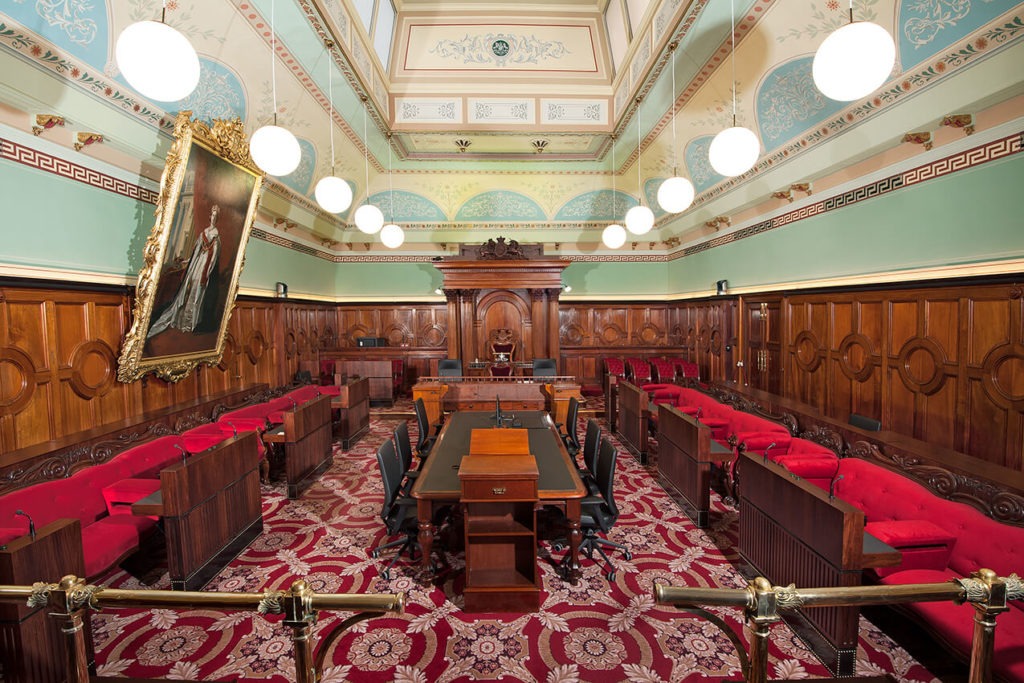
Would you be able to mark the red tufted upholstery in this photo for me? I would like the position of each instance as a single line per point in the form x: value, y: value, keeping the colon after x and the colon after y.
x: 814, y: 462
x: 905, y: 511
x: 685, y: 368
x: 615, y: 366
x: 638, y: 371
x: 662, y: 370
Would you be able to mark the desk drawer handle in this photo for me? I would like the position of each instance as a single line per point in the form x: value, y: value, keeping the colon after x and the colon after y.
x: 498, y: 491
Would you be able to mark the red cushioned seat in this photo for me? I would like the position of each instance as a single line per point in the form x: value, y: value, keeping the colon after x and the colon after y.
x: 303, y: 394
x: 591, y: 390
x: 922, y: 544
x: 8, y: 534
x: 206, y: 436
x: 329, y: 390
x: 615, y: 366
x: 815, y: 469
x: 120, y: 495
x: 108, y: 539
x: 662, y: 370
x: 638, y: 371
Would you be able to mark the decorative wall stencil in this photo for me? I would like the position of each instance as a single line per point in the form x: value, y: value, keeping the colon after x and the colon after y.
x: 585, y: 112
x: 500, y: 205
x: 640, y: 57
x: 702, y: 174
x: 486, y: 46
x: 219, y: 95
x: 488, y: 110
x: 339, y: 15
x: 301, y: 179
x: 651, y: 194
x: 925, y: 28
x: 428, y: 110
x: 664, y: 16
x: 599, y: 205
x: 76, y: 27
x: 824, y: 20
x: 788, y: 103
x: 408, y: 206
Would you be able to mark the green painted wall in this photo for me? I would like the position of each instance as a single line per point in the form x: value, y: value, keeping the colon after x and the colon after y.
x: 968, y: 217
x: 267, y: 264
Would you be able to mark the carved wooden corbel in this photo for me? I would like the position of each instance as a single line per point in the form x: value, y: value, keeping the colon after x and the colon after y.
x: 963, y: 121
x: 45, y: 122
x: 920, y: 138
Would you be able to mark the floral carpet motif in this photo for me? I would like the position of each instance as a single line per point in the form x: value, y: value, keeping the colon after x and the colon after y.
x: 595, y: 631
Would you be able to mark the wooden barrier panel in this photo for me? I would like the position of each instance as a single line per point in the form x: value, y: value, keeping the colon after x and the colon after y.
x: 353, y: 406
x: 793, y: 532
x: 211, y: 509
x: 31, y: 644
x: 633, y: 419
x: 307, y: 443
x: 686, y: 452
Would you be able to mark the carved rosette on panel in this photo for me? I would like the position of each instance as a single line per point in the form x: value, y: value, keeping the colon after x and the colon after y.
x: 807, y: 351
x: 675, y: 336
x: 314, y: 339
x: 855, y: 357
x: 356, y: 331
x: 433, y: 335
x: 715, y: 343
x: 613, y: 335
x: 999, y: 504
x: 1001, y: 370
x: 921, y: 366
x: 93, y: 368
x: 648, y: 335
x: 329, y: 340
x: 290, y: 345
x: 572, y: 334
x: 255, y: 346
x: 397, y: 335
x: 19, y: 373
x: 230, y: 352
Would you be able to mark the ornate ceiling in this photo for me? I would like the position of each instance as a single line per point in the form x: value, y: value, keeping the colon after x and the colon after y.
x: 485, y: 118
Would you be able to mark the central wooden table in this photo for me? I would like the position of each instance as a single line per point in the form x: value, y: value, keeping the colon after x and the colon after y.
x: 558, y: 484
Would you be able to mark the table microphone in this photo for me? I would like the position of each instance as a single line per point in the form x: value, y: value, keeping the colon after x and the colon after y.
x: 31, y: 524
x: 832, y: 487
x: 770, y: 446
x: 184, y: 453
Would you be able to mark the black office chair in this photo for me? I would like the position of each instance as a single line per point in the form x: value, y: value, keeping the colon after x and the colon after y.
x: 599, y: 512
x: 545, y: 367
x: 398, y: 511
x: 427, y: 433
x: 864, y: 422
x: 571, y: 434
x: 449, y: 367
x: 591, y: 448
x: 404, y: 447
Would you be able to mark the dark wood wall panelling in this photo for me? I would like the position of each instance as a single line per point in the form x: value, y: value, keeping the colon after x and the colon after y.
x: 944, y: 364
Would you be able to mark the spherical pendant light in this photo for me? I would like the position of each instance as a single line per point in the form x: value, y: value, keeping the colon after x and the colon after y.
x: 734, y: 151
x: 675, y: 194
x: 639, y: 220
x: 854, y: 61
x: 333, y: 194
x: 275, y: 150
x: 392, y: 236
x: 157, y: 61
x: 369, y: 219
x: 614, y: 236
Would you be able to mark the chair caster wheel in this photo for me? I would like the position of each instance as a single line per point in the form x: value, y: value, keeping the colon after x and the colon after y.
x: 628, y: 556
x: 374, y: 554
x: 557, y: 547
x: 386, y: 575
x: 610, y: 576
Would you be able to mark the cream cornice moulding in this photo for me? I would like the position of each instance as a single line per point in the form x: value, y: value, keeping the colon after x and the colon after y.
x: 48, y: 273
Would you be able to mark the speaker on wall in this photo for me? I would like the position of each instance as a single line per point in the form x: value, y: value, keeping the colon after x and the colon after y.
x: 282, y: 290
x: 722, y: 287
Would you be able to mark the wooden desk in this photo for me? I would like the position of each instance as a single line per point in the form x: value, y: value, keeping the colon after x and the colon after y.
x: 633, y: 419
x: 211, y: 509
x: 353, y: 406
x: 686, y: 452
x: 32, y: 649
x: 451, y: 394
x: 306, y: 434
x: 793, y: 532
x: 379, y: 372
x: 559, y: 484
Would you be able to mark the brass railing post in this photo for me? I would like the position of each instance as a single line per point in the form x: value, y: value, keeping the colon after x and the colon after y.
x: 988, y: 593
x: 68, y: 599
x: 761, y: 612
x: 301, y: 617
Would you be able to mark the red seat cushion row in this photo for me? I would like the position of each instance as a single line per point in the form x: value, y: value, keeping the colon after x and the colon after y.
x: 120, y: 495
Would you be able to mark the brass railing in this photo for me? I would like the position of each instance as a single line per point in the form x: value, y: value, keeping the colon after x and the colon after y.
x: 69, y: 599
x: 762, y: 602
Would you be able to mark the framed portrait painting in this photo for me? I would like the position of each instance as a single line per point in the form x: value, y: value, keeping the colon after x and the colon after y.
x: 193, y: 257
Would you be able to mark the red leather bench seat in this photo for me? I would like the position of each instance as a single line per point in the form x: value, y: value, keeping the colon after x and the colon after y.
x: 904, y: 511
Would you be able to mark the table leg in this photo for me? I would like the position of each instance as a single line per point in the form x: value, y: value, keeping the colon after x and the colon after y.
x: 425, y: 515
x: 572, y: 513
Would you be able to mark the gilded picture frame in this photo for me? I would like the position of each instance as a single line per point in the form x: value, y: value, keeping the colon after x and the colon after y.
x: 192, y: 260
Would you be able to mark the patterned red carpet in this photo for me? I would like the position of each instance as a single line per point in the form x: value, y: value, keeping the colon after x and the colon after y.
x: 594, y: 631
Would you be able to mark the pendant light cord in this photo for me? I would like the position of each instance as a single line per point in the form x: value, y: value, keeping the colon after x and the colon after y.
x: 391, y: 184
x: 613, y: 177
x: 330, y: 97
x: 675, y: 167
x: 639, y: 187
x: 732, y: 54
x: 366, y: 156
x: 163, y: 13
x: 273, y: 60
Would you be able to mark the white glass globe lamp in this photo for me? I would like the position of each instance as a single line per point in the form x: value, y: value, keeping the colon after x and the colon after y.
x: 614, y: 236
x: 392, y: 236
x: 157, y: 61
x: 853, y: 61
x: 734, y: 151
x: 639, y: 220
x: 675, y: 194
x: 369, y: 219
x: 275, y: 150
x: 333, y: 194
